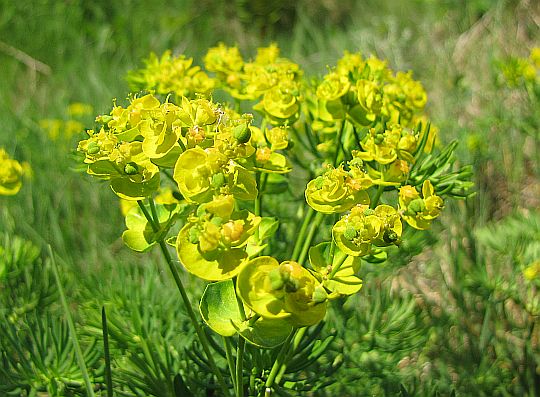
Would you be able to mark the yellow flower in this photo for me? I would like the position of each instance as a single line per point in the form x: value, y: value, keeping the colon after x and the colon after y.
x: 532, y: 271
x: 11, y: 173
x: 333, y: 87
x: 212, y: 247
x: 171, y: 74
x: 223, y: 59
x: 281, y: 103
x: 355, y: 232
x: 420, y: 211
x: 336, y: 191
x: 78, y: 109
x: 284, y: 291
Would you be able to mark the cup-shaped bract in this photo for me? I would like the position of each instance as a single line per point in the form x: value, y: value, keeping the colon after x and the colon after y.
x: 203, y: 173
x: 336, y: 191
x: 418, y: 211
x: 280, y: 291
x: 212, y: 247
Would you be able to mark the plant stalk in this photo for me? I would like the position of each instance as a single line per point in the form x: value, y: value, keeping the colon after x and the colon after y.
x: 185, y: 299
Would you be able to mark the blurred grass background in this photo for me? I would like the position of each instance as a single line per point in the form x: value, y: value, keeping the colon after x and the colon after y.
x: 471, y: 326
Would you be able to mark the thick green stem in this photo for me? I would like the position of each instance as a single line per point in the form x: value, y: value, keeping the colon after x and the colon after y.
x: 377, y: 197
x: 185, y: 299
x: 230, y: 359
x: 338, y: 265
x: 339, y: 144
x: 277, y: 364
x: 296, y: 342
x: 301, y: 233
x: 148, y: 217
x: 314, y: 226
x: 240, y: 367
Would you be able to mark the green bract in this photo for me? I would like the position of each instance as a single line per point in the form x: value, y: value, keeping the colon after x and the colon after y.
x: 280, y: 291
x: 338, y: 282
x: 140, y: 236
x: 336, y: 191
x: 355, y: 232
x: 213, y: 248
x: 420, y: 211
x: 202, y: 173
x: 220, y: 309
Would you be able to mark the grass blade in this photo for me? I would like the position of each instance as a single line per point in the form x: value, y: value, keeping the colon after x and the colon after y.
x: 71, y: 326
x: 108, y: 372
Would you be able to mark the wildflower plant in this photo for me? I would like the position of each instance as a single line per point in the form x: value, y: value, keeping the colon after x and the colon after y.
x: 212, y: 179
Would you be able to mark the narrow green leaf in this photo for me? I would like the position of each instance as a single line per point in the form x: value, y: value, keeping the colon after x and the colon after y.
x: 71, y: 325
x: 108, y: 372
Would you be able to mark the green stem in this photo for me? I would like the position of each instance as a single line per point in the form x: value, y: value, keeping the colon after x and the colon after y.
x: 338, y: 143
x: 314, y: 226
x: 240, y: 367
x: 169, y: 176
x: 154, y: 211
x: 338, y: 265
x: 230, y: 359
x: 185, y: 299
x: 182, y: 145
x: 377, y: 197
x: 279, y: 361
x: 148, y: 217
x: 301, y: 233
x: 296, y: 342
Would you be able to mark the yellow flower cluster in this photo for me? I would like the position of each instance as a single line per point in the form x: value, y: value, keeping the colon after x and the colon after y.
x: 170, y: 74
x: 11, y: 174
x: 523, y: 70
x: 65, y: 129
x: 274, y: 81
x: 213, y: 155
x: 359, y: 132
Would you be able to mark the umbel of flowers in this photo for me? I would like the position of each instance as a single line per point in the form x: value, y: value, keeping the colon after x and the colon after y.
x: 200, y: 170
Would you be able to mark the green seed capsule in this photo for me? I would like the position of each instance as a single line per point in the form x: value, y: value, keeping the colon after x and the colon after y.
x: 194, y: 235
x: 292, y: 285
x: 93, y: 148
x: 417, y: 205
x: 131, y: 168
x: 276, y: 281
x: 369, y: 212
x: 319, y: 182
x: 242, y: 133
x: 379, y: 138
x: 390, y: 236
x: 218, y: 180
x: 350, y: 233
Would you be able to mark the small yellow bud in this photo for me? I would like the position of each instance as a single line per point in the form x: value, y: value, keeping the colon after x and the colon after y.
x: 232, y: 231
